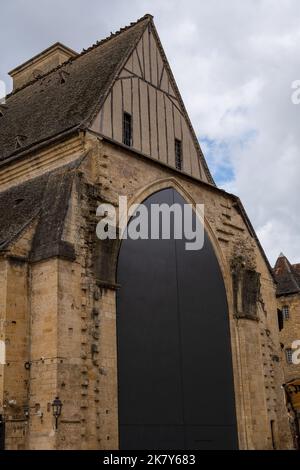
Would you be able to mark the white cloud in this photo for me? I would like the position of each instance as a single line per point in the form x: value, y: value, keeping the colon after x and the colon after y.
x: 234, y: 62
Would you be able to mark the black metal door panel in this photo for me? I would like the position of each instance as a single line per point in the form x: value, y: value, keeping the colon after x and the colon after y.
x: 174, y: 359
x: 2, y: 433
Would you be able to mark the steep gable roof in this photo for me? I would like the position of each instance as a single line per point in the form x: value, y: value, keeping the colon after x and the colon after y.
x: 287, y: 276
x: 67, y: 97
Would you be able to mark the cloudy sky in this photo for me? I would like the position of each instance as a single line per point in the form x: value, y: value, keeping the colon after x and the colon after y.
x: 234, y: 62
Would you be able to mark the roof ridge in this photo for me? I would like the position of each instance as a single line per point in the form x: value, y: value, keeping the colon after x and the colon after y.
x: 116, y: 33
x: 86, y: 122
x: 83, y: 52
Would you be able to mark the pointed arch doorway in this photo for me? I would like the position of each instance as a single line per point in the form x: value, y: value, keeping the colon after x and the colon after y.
x: 175, y: 378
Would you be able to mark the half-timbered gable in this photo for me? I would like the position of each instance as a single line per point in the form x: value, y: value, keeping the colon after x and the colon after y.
x: 146, y: 90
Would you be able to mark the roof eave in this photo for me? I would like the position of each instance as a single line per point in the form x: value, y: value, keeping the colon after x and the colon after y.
x: 39, y: 145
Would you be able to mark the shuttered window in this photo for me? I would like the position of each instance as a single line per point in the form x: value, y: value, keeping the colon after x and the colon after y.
x: 289, y: 355
x: 286, y: 312
x: 178, y: 154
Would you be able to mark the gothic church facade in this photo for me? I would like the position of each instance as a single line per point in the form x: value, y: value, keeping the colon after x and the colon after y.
x: 144, y: 345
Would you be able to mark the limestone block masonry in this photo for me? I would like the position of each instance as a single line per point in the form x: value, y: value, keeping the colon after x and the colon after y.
x: 58, y: 316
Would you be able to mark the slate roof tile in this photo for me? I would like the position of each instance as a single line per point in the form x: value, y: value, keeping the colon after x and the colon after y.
x: 50, y: 105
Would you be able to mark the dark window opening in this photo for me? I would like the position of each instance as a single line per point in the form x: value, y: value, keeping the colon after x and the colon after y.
x: 127, y: 129
x: 178, y: 154
x: 272, y: 425
x: 280, y: 319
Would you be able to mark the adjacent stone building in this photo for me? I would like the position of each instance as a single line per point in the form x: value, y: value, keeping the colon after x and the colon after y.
x: 83, y: 129
x: 288, y: 301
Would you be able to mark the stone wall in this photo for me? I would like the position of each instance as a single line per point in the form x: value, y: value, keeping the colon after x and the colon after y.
x: 66, y: 313
x: 290, y: 332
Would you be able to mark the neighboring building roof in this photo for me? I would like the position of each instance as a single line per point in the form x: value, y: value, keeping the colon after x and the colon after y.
x: 287, y: 276
x: 296, y: 268
x: 68, y: 96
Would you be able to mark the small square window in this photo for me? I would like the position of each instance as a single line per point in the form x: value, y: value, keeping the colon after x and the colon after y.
x: 127, y: 129
x: 286, y: 312
x: 289, y: 355
x: 178, y: 154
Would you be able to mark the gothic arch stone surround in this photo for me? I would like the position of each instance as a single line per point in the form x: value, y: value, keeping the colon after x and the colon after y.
x: 168, y: 183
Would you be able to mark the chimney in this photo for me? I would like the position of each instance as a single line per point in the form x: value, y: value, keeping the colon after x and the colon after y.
x: 40, y: 64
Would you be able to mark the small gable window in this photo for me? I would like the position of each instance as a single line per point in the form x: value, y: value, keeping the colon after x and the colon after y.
x: 286, y: 312
x: 178, y: 154
x: 127, y: 129
x: 289, y: 355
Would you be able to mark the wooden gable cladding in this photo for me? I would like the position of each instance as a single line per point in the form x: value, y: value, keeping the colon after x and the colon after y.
x: 144, y: 89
